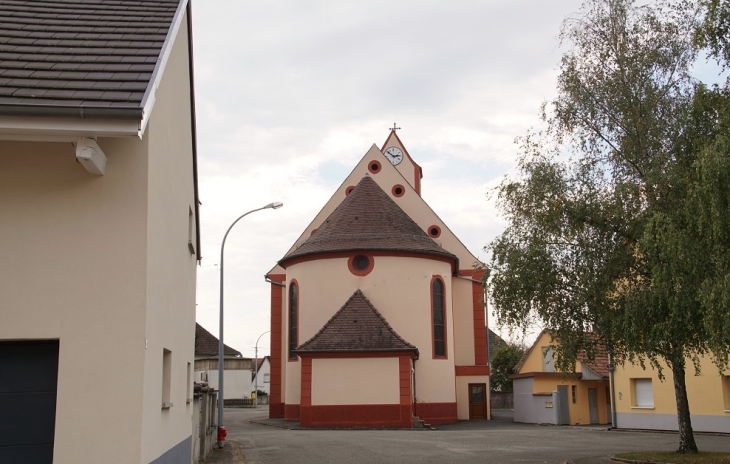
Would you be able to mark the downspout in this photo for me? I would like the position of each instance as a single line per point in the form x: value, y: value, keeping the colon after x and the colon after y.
x: 415, y: 401
x: 613, y: 392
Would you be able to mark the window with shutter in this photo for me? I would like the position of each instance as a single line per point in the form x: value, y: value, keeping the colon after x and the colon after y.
x: 644, y: 395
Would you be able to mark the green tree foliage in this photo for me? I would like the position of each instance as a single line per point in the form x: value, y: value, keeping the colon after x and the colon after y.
x: 618, y: 217
x: 503, y: 363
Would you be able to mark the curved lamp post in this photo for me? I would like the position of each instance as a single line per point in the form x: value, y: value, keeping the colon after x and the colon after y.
x: 274, y: 205
x: 256, y: 372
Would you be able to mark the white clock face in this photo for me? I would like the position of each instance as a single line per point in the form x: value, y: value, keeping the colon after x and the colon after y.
x: 394, y: 155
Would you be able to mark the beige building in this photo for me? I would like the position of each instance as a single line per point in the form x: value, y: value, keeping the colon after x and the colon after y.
x: 99, y: 232
x: 643, y: 401
x: 377, y: 310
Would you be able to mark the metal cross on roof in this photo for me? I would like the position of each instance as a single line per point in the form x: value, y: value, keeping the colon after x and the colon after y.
x: 394, y: 128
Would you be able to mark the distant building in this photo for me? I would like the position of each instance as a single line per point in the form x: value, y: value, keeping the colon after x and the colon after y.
x: 264, y: 374
x: 377, y: 311
x: 238, y: 370
x: 495, y: 342
x: 543, y: 395
x: 99, y: 232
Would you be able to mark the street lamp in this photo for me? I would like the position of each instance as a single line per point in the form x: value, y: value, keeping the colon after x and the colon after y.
x: 256, y: 371
x: 274, y: 205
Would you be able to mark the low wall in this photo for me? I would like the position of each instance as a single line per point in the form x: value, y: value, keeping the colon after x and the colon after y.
x: 205, y: 428
x: 502, y: 400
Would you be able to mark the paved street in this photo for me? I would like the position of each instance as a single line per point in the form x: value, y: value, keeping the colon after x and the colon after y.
x: 497, y: 441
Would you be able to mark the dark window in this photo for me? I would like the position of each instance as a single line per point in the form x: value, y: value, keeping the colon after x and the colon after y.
x: 361, y: 262
x: 439, y: 332
x: 293, y: 307
x: 573, y: 393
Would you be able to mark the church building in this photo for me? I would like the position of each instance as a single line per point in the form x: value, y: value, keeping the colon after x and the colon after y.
x: 377, y: 311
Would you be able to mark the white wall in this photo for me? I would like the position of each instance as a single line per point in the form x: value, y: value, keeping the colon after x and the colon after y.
x: 237, y: 383
x: 264, y: 377
x: 170, y: 291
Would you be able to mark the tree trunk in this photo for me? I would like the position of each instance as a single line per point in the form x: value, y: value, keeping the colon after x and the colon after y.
x: 686, y: 435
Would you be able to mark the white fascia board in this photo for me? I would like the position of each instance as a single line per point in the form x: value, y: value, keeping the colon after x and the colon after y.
x: 37, y: 129
x: 148, y: 100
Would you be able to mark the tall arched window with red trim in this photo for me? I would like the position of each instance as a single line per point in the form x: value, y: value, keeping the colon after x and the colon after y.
x: 438, y: 318
x: 293, y: 312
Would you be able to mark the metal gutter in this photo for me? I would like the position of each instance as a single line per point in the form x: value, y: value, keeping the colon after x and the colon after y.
x: 76, y: 112
x: 193, y: 129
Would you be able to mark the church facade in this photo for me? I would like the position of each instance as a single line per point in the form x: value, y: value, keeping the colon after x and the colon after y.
x: 377, y: 311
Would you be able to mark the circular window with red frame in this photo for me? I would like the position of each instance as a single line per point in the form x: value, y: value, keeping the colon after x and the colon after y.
x: 361, y: 264
x: 434, y: 231
x: 374, y: 166
x: 349, y: 189
x: 398, y: 190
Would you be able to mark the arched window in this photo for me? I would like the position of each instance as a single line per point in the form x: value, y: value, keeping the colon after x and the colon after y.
x: 438, y: 315
x: 293, y: 313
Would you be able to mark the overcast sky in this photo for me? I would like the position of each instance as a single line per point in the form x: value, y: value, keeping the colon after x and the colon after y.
x: 291, y: 94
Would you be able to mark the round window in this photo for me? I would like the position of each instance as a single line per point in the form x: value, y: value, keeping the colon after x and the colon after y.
x: 434, y: 231
x: 361, y: 265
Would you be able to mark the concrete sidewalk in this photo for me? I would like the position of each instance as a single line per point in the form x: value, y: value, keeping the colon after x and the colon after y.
x: 230, y: 454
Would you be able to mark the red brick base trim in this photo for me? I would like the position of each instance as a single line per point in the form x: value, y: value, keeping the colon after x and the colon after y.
x: 276, y: 410
x: 291, y: 412
x: 437, y: 413
x: 357, y: 415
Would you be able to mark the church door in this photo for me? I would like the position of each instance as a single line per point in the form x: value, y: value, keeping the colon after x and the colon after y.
x: 477, y: 401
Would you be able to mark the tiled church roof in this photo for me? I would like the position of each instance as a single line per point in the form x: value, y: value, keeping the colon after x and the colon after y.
x: 80, y: 57
x: 368, y: 219
x: 206, y: 344
x: 354, y: 328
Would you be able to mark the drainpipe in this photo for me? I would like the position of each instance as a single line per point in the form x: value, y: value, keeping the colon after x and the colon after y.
x: 613, y: 393
x: 415, y: 400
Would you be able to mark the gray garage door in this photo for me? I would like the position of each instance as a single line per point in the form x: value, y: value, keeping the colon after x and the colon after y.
x: 28, y: 379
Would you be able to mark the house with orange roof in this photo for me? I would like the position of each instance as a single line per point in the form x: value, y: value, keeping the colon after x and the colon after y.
x: 543, y: 395
x: 377, y: 310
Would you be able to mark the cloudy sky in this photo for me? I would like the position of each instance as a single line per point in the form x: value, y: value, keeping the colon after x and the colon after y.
x: 291, y: 94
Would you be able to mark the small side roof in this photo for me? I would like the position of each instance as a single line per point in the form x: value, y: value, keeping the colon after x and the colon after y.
x: 206, y: 344
x: 355, y: 328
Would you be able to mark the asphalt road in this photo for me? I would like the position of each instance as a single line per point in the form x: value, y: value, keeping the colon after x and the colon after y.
x: 496, y: 441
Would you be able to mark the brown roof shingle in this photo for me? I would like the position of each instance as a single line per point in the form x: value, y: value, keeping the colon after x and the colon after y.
x: 206, y: 344
x: 495, y: 342
x: 80, y: 53
x: 356, y: 327
x: 368, y: 219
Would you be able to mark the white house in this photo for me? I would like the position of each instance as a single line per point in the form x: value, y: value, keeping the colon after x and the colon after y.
x: 238, y: 375
x: 264, y: 375
x: 99, y: 232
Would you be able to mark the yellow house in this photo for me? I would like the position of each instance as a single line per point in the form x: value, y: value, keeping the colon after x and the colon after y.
x: 377, y: 310
x: 645, y: 402
x: 544, y: 396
